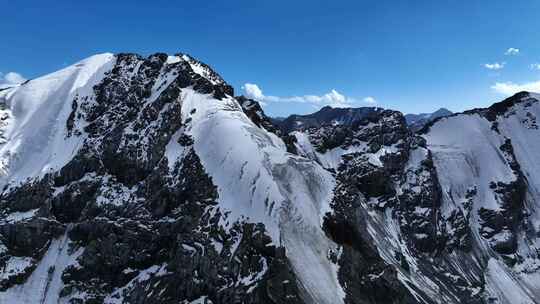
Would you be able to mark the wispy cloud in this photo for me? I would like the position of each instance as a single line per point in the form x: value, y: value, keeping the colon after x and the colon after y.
x: 535, y: 66
x: 511, y: 51
x: 495, y: 65
x: 332, y: 98
x: 510, y: 88
x: 10, y: 79
x: 370, y: 100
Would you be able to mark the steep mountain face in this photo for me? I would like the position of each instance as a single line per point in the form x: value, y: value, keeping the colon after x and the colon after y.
x: 418, y: 121
x: 453, y: 209
x: 141, y: 180
x: 487, y: 168
x: 144, y: 180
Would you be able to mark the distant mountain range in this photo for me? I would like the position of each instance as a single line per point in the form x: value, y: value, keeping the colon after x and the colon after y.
x: 347, y: 116
x: 326, y: 115
x: 417, y: 121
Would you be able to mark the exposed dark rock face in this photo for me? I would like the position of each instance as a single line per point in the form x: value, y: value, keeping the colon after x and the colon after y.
x: 254, y: 111
x: 363, y: 184
x: 326, y: 116
x: 368, y: 279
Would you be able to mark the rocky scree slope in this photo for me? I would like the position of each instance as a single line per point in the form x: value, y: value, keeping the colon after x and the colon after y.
x: 144, y: 180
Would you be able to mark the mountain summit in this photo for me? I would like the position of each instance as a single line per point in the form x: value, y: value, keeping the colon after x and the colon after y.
x: 418, y: 121
x: 131, y: 179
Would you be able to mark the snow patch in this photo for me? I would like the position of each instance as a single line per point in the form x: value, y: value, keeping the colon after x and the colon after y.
x: 45, y: 283
x: 15, y: 266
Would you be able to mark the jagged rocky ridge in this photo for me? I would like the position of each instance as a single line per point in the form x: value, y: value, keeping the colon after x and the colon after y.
x: 144, y: 180
x: 418, y: 121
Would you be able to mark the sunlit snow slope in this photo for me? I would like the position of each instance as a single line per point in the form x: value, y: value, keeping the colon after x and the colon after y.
x: 34, y: 133
x: 488, y: 164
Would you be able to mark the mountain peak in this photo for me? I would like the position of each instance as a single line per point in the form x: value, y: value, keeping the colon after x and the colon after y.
x: 441, y: 111
x: 501, y: 107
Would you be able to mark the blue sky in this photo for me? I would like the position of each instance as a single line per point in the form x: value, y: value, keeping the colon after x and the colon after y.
x: 414, y: 56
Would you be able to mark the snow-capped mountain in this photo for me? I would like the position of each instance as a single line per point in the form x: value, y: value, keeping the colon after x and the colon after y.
x: 418, y: 121
x: 145, y: 180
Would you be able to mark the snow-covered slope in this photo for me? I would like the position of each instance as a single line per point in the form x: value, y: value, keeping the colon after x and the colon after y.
x: 34, y: 133
x: 258, y: 179
x: 487, y: 168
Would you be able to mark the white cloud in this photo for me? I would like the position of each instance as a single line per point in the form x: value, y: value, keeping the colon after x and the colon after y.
x: 11, y: 78
x: 535, y: 66
x: 332, y: 98
x: 370, y: 100
x: 495, y: 65
x: 510, y: 88
x: 253, y: 91
x: 512, y: 51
